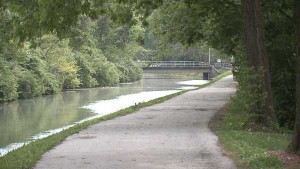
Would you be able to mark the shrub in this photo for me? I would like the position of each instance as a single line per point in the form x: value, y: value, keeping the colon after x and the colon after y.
x: 107, y: 74
x: 29, y: 86
x: 8, y: 87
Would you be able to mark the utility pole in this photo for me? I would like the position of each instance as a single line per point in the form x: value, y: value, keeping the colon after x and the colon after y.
x: 208, y: 55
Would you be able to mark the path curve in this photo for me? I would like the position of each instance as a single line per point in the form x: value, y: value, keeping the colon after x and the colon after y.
x: 169, y: 135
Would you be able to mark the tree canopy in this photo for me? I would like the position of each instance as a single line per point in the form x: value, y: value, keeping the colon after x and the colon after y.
x: 39, y: 59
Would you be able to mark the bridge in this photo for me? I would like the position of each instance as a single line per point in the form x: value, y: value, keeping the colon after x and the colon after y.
x: 210, y: 69
x: 180, y: 64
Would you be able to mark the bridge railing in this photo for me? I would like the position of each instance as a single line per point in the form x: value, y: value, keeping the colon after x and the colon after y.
x: 222, y: 65
x: 182, y: 64
x: 172, y: 64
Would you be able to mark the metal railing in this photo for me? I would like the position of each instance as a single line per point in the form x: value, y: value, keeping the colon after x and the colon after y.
x: 172, y: 64
x: 222, y: 65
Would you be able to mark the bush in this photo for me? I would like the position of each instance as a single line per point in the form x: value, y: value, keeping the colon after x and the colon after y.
x: 122, y: 58
x: 251, y: 98
x: 85, y: 71
x: 59, y: 60
x: 29, y: 85
x: 71, y: 82
x: 51, y: 83
x: 135, y: 72
x: 8, y: 81
x: 8, y: 87
x: 107, y: 74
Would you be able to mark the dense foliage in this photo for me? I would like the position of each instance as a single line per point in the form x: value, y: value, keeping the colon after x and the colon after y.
x: 96, y: 53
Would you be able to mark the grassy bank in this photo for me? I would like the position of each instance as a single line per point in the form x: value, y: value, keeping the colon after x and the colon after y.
x: 28, y: 155
x: 249, y: 149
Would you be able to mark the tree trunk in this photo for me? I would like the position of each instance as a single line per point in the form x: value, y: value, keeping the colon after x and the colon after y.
x: 295, y: 145
x: 257, y: 52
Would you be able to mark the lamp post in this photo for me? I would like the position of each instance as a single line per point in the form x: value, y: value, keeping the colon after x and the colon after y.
x: 209, y: 56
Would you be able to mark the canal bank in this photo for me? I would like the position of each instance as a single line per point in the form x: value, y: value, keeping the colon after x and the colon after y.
x: 172, y: 134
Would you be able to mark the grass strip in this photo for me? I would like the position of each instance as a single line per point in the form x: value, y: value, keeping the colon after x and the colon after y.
x: 27, y: 156
x: 249, y: 149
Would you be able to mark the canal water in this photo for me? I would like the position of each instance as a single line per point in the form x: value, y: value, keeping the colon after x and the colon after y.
x: 24, y: 121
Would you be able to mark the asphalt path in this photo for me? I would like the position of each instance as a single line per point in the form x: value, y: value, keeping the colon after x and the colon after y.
x: 170, y: 135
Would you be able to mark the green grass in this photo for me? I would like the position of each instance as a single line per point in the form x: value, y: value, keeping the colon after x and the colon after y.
x: 28, y: 155
x: 223, y: 74
x: 249, y: 149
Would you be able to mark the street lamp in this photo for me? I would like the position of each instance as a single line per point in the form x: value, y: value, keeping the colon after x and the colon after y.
x: 208, y: 55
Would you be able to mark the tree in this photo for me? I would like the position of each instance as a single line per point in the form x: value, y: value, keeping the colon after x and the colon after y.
x: 279, y: 40
x: 295, y: 145
x: 36, y: 18
x: 257, y: 53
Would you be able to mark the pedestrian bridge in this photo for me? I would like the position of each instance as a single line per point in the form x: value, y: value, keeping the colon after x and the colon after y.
x: 180, y: 64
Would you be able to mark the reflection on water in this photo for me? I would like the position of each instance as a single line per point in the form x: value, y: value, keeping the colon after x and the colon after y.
x: 23, y: 119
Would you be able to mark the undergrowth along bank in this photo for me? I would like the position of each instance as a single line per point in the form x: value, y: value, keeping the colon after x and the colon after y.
x: 28, y: 155
x: 250, y: 149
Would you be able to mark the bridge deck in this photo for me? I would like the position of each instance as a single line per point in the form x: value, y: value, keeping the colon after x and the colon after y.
x: 181, y: 64
x: 173, y: 64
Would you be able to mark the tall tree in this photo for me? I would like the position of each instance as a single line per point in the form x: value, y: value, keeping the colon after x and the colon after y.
x: 257, y: 53
x: 295, y: 145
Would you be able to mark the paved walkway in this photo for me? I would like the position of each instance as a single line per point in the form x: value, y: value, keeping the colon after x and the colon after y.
x: 169, y: 135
